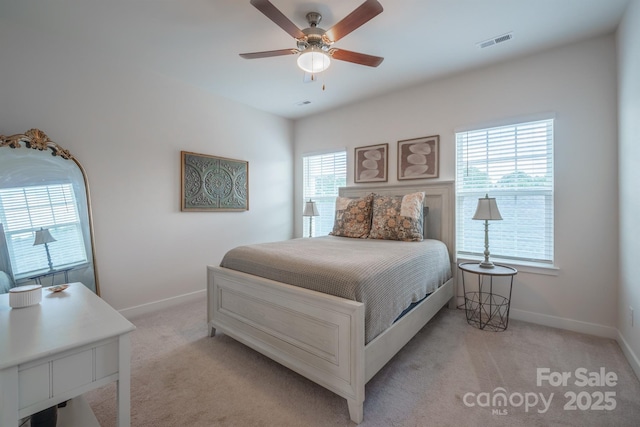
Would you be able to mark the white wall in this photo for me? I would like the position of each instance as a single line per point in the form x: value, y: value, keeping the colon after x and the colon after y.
x: 578, y: 84
x: 127, y: 127
x: 629, y: 172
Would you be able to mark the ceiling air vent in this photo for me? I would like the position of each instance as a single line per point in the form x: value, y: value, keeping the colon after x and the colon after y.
x: 495, y: 40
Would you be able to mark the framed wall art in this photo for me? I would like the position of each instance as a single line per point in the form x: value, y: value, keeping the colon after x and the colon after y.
x: 418, y: 158
x: 371, y: 163
x: 211, y: 183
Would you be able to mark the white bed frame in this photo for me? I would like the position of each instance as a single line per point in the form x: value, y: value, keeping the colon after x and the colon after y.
x: 321, y: 336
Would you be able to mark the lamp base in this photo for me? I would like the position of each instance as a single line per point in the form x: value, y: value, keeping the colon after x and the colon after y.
x: 486, y: 264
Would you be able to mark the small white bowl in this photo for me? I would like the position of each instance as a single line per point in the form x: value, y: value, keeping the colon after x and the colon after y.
x: 25, y: 296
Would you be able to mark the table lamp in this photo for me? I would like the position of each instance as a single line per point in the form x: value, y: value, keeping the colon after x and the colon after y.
x: 310, y: 210
x: 487, y: 210
x: 43, y: 237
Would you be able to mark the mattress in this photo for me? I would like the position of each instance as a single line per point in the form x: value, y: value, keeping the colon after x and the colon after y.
x: 386, y: 275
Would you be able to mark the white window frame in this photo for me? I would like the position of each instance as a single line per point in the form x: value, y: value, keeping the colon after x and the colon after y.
x: 315, y: 165
x: 496, y: 152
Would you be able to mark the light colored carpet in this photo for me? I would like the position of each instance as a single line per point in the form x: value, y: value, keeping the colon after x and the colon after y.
x: 181, y: 377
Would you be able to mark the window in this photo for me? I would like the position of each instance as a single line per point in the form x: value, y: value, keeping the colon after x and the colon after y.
x: 24, y: 210
x: 514, y: 164
x: 323, y: 175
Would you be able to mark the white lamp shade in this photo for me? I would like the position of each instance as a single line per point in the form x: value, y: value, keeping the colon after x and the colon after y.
x: 314, y: 60
x: 487, y: 209
x: 43, y: 236
x: 310, y: 209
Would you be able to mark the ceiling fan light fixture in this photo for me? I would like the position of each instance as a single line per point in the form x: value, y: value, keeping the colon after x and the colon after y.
x: 314, y: 60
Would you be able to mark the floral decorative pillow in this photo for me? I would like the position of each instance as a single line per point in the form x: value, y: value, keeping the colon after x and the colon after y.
x: 353, y: 217
x: 398, y: 217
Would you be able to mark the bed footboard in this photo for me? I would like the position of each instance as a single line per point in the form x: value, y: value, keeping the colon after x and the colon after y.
x: 316, y: 335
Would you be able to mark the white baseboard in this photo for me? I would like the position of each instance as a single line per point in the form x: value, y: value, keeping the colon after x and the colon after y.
x: 150, y: 307
x: 558, y: 322
x: 564, y: 323
x: 633, y: 359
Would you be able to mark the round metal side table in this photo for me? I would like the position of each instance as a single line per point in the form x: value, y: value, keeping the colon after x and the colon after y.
x: 486, y: 309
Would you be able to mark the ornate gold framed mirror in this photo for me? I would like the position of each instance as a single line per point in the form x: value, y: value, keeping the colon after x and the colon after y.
x: 46, y: 227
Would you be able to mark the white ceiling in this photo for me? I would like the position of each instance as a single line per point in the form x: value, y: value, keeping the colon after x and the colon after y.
x: 198, y: 41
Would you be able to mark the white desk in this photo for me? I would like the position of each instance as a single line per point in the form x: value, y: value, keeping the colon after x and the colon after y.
x: 70, y: 343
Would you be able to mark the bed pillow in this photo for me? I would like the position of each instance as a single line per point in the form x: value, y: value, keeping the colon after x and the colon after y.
x: 353, y: 217
x: 398, y: 217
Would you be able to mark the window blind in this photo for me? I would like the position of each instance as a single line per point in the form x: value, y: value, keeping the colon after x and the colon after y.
x: 323, y: 174
x: 514, y: 164
x: 24, y: 210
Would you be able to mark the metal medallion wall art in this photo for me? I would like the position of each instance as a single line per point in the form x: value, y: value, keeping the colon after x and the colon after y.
x: 211, y: 183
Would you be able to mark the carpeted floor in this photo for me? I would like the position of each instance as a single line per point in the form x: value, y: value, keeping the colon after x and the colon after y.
x: 450, y: 374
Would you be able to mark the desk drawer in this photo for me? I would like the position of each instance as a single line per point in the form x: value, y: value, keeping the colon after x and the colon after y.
x: 66, y: 375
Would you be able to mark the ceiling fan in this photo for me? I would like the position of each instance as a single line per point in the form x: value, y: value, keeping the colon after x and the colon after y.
x: 314, y: 44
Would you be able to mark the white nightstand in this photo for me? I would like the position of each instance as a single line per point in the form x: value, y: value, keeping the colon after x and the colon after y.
x: 51, y: 352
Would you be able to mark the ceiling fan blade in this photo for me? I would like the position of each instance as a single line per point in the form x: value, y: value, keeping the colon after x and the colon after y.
x: 272, y: 12
x: 356, y: 58
x: 268, y: 53
x: 363, y: 13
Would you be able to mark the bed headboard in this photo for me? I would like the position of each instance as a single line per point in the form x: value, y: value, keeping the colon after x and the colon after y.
x: 439, y: 199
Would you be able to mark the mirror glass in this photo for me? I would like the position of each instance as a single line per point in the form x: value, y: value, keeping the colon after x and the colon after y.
x: 46, y: 234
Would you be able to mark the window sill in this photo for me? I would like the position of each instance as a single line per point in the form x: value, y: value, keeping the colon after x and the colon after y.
x: 45, y: 271
x: 521, y: 266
